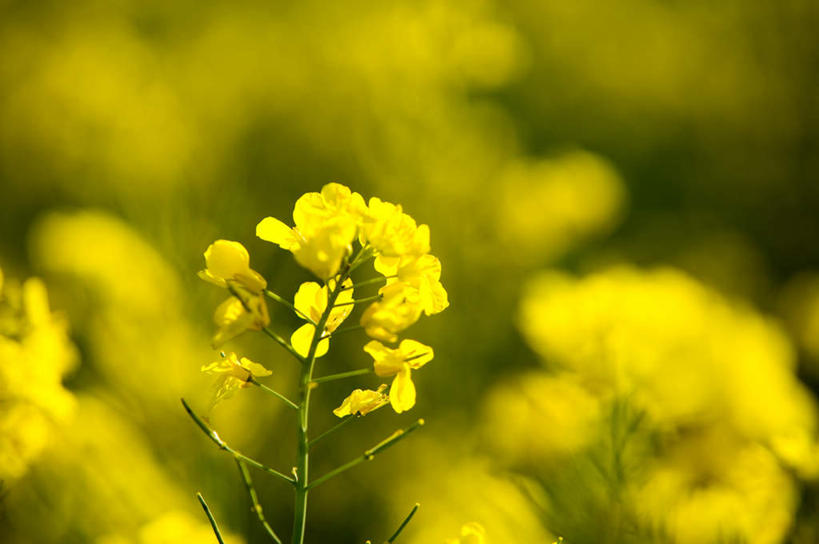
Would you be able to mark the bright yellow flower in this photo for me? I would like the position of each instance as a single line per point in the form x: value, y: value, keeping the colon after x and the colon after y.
x: 234, y: 373
x: 229, y: 261
x: 362, y: 402
x: 410, y: 355
x: 471, y: 533
x: 392, y: 232
x: 311, y: 301
x: 326, y: 224
x: 233, y: 318
x: 421, y: 272
x: 399, y: 307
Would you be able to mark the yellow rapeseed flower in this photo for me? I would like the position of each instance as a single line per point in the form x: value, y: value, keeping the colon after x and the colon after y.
x: 229, y: 261
x: 326, y: 225
x: 362, y: 402
x: 422, y: 273
x: 235, y: 316
x: 311, y: 301
x: 234, y: 373
x: 400, y: 306
x: 391, y: 232
x: 471, y: 533
x: 410, y: 355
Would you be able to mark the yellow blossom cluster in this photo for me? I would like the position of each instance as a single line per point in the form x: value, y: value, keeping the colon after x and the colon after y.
x: 327, y: 224
x: 234, y: 373
x: 712, y: 380
x: 35, y: 355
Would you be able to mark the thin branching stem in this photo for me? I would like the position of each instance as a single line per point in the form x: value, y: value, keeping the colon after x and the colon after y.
x: 369, y: 454
x: 210, y: 518
x: 332, y: 429
x: 210, y: 433
x: 403, y: 524
x: 284, y: 343
x: 273, y: 392
x: 284, y: 302
x: 360, y: 300
x: 342, y: 375
x: 254, y: 499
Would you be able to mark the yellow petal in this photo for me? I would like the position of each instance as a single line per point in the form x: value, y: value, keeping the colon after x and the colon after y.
x: 310, y: 300
x: 272, y: 230
x: 415, y: 353
x: 303, y: 337
x: 254, y: 368
x: 225, y: 259
x: 402, y: 391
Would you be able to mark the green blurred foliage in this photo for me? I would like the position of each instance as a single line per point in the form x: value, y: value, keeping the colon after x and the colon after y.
x: 567, y: 135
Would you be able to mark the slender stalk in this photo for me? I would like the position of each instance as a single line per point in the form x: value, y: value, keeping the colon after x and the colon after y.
x: 360, y: 300
x: 284, y: 302
x: 345, y: 329
x: 370, y: 281
x: 303, y: 465
x: 369, y: 454
x: 222, y: 445
x: 273, y: 392
x: 403, y: 524
x: 210, y: 518
x: 342, y: 375
x: 332, y: 429
x: 254, y: 499
x: 283, y: 343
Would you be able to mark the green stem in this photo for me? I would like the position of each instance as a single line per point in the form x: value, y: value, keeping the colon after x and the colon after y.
x: 370, y: 453
x: 284, y: 343
x: 360, y: 300
x: 254, y: 499
x: 273, y: 392
x: 303, y: 464
x: 332, y: 429
x: 370, y: 281
x: 403, y: 524
x: 284, y: 302
x: 342, y: 375
x: 210, y: 518
x: 346, y: 329
x: 222, y: 445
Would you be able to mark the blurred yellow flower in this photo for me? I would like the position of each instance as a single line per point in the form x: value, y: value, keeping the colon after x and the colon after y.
x: 410, y: 355
x: 173, y: 527
x: 362, y: 402
x: 471, y: 533
x: 326, y: 224
x: 229, y: 261
x: 400, y: 306
x: 235, y: 316
x: 234, y: 373
x: 35, y: 355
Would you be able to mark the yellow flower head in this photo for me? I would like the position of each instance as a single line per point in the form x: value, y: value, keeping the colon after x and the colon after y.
x: 311, y: 301
x: 423, y: 273
x: 362, y: 402
x: 410, y: 355
x: 234, y: 373
x: 471, y: 533
x: 400, y: 306
x: 392, y: 232
x: 326, y: 224
x: 235, y: 316
x: 229, y: 261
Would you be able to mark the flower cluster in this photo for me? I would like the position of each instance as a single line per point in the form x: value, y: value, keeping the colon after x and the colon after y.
x: 327, y: 226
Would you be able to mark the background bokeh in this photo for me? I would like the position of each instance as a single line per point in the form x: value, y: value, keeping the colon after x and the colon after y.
x: 623, y: 196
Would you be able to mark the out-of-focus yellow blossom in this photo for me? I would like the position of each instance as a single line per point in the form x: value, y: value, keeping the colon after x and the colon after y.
x: 391, y: 232
x: 172, y: 528
x: 229, y: 261
x: 35, y: 355
x: 362, y: 402
x: 565, y: 415
x: 546, y: 207
x: 310, y: 301
x: 400, y: 306
x: 410, y: 355
x: 471, y: 533
x: 326, y: 224
x: 234, y: 373
x: 235, y: 316
x: 421, y: 272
